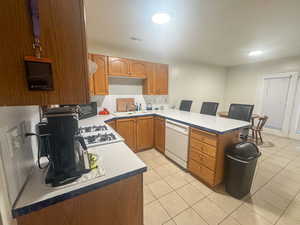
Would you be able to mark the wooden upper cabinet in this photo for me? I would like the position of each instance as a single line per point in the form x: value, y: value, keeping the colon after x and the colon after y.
x: 91, y: 79
x: 138, y: 69
x: 148, y: 87
x: 161, y: 79
x: 118, y: 67
x: 100, y: 77
x: 63, y: 40
x: 127, y: 129
x: 159, y: 134
x: 145, y: 132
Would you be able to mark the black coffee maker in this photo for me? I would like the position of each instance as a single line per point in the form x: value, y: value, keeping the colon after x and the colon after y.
x: 65, y: 146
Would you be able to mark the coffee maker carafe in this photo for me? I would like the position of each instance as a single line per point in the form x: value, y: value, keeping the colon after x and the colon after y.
x: 66, y: 147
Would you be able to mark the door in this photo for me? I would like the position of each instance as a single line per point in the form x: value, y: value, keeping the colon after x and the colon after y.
x: 118, y: 67
x: 100, y: 76
x: 138, y: 69
x: 295, y: 121
x: 161, y: 79
x: 159, y: 134
x: 145, y: 132
x: 277, y: 102
x: 127, y: 129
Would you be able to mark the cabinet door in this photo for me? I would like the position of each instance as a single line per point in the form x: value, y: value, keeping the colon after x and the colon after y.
x: 112, y: 124
x: 145, y: 132
x: 127, y: 129
x: 161, y: 79
x: 138, y: 69
x: 118, y: 67
x: 159, y: 137
x: 148, y: 87
x: 100, y: 76
x: 91, y: 79
x: 63, y: 40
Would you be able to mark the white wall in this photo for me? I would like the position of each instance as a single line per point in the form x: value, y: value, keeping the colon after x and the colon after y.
x: 244, y: 83
x: 197, y: 82
x: 16, y: 154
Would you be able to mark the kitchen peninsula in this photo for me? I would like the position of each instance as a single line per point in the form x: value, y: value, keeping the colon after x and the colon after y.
x: 118, y: 196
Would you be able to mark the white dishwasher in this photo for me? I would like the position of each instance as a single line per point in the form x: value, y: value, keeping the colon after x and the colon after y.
x: 177, y: 141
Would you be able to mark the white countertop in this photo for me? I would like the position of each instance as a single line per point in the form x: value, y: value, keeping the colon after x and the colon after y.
x: 118, y: 160
x: 210, y: 123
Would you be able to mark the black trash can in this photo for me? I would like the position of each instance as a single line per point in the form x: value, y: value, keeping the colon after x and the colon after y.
x: 240, y: 167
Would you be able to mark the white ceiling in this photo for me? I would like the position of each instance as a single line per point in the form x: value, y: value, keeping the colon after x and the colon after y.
x: 220, y: 32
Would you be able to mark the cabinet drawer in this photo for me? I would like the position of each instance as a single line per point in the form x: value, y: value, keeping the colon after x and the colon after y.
x: 207, y: 175
x: 203, y: 148
x: 203, y: 159
x: 208, y: 138
x: 202, y: 172
x: 194, y: 167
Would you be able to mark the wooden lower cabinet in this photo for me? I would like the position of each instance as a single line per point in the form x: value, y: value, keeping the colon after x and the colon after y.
x: 137, y: 132
x: 206, y: 154
x: 115, y: 204
x: 145, y: 132
x: 159, y: 134
x: 127, y: 129
x: 112, y: 124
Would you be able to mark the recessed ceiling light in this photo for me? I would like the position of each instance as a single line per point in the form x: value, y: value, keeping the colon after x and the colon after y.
x: 161, y: 18
x: 255, y: 53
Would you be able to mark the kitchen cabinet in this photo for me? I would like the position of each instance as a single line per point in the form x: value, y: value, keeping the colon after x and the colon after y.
x: 138, y: 69
x: 119, y: 67
x: 117, y: 203
x: 112, y: 124
x: 91, y: 79
x: 148, y: 86
x: 145, y: 132
x: 161, y: 79
x: 100, y: 77
x: 159, y: 134
x: 127, y: 129
x: 63, y: 40
x: 206, y: 154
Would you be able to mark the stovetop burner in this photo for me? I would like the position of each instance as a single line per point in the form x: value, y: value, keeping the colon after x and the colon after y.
x: 99, y: 138
x: 99, y: 135
x: 93, y: 129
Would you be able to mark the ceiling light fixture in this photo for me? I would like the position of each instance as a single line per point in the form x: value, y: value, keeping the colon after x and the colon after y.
x: 161, y: 18
x: 255, y: 53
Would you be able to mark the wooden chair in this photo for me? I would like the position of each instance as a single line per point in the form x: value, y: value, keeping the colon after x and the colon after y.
x: 256, y: 129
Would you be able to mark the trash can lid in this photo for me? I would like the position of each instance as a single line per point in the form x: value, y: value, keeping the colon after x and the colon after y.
x: 245, y: 151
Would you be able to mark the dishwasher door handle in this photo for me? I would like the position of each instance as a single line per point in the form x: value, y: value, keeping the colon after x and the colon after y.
x: 177, y: 127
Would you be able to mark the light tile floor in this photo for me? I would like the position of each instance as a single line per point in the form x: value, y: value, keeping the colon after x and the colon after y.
x: 174, y: 197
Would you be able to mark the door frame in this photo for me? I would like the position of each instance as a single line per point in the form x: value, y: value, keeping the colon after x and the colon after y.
x: 287, y: 122
x: 295, y: 116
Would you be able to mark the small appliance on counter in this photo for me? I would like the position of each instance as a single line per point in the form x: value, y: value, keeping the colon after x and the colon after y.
x: 64, y: 147
x: 85, y: 110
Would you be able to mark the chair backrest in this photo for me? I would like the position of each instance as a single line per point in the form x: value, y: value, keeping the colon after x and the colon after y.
x: 185, y: 105
x: 209, y: 108
x: 261, y: 122
x: 240, y: 112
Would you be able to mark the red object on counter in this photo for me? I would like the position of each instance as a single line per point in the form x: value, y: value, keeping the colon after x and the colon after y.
x: 104, y: 112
